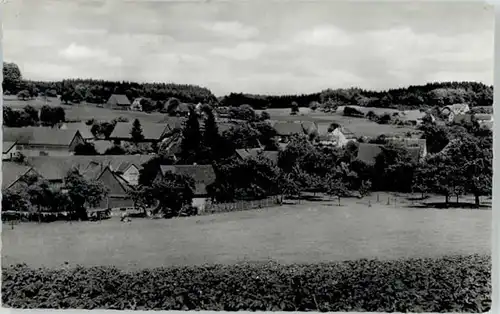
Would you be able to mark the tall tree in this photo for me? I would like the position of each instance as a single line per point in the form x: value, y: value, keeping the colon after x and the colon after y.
x: 12, y: 78
x: 191, y: 139
x: 83, y: 192
x: 136, y: 132
x: 172, y: 193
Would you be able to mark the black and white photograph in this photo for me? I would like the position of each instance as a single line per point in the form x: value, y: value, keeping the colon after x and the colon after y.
x: 299, y: 156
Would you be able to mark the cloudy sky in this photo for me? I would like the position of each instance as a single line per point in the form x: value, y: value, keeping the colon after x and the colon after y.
x: 255, y: 47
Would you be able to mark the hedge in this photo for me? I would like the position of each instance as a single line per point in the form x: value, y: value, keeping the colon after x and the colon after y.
x: 450, y: 284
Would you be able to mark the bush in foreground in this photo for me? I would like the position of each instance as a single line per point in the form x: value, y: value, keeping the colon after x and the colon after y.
x: 451, y: 284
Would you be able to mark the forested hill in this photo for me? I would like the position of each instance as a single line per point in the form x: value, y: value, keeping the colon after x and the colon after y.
x: 98, y: 91
x: 416, y: 96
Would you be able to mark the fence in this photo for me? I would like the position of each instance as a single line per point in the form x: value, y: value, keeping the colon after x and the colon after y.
x: 53, y: 216
x: 238, y: 206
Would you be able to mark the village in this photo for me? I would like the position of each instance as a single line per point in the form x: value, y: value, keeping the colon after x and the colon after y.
x: 314, y: 156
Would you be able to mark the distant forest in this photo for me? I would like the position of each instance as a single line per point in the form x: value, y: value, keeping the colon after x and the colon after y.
x: 98, y: 91
x: 412, y: 97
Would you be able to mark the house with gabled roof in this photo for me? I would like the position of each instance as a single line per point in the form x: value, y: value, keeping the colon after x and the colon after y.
x: 81, y: 127
x: 136, y: 104
x: 285, y: 130
x: 9, y: 150
x: 449, y: 112
x: 13, y: 173
x: 118, y: 102
x: 203, y: 176
x: 368, y: 152
x: 55, y: 169
x: 152, y: 132
x: 43, y: 141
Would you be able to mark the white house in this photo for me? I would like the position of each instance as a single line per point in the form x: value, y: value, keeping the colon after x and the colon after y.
x: 449, y: 112
x: 9, y: 150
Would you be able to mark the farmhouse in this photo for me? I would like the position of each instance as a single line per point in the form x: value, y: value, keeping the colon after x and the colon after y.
x: 12, y: 173
x: 9, y: 150
x: 152, y: 132
x: 54, y: 169
x: 173, y: 123
x: 183, y: 109
x: 254, y: 152
x: 368, y: 152
x: 136, y: 104
x: 81, y: 127
x: 43, y: 141
x: 285, y: 130
x: 118, y: 102
x: 119, y: 174
x: 449, y: 112
x: 338, y: 137
x: 203, y: 176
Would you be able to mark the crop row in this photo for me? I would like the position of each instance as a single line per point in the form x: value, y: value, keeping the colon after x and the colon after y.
x: 456, y: 284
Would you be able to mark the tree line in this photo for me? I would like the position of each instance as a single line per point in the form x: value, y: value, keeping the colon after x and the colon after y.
x: 98, y: 91
x: 30, y: 116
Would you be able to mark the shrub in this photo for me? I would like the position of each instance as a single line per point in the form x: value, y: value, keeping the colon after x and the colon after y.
x: 448, y: 284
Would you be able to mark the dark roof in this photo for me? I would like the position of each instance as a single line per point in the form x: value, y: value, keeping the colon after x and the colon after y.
x: 367, y: 152
x: 184, y: 107
x: 254, y: 152
x: 11, y: 172
x: 81, y: 127
x: 288, y: 128
x: 203, y: 175
x: 56, y: 168
x: 173, y: 123
x: 119, y: 99
x: 7, y: 146
x: 151, y: 131
x: 39, y: 136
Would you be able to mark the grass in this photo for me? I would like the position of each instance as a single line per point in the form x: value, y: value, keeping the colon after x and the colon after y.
x: 304, y: 233
x: 359, y: 126
x: 83, y: 111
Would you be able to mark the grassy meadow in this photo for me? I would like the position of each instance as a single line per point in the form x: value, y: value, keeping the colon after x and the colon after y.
x: 309, y: 232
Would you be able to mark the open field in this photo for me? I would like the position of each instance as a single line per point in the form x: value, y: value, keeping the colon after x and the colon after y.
x: 85, y: 112
x: 359, y: 126
x: 304, y: 233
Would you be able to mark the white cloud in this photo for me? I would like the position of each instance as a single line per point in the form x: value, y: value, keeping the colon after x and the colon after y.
x: 232, y: 29
x: 324, y: 35
x: 242, y: 51
x: 76, y: 52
